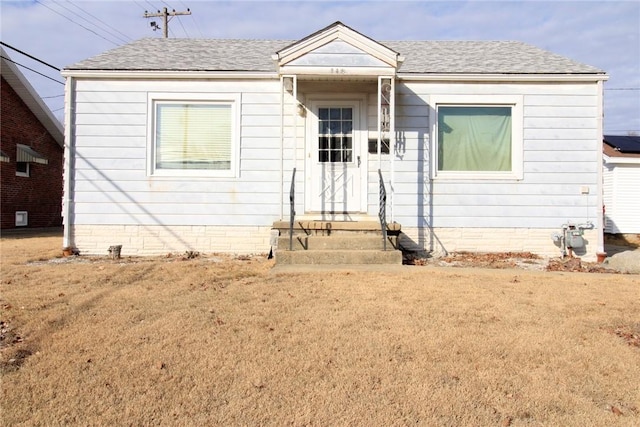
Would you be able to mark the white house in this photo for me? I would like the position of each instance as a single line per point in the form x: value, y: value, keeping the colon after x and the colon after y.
x: 181, y: 144
x: 621, y: 179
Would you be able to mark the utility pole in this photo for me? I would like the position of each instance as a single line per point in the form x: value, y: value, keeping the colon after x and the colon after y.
x: 165, y: 14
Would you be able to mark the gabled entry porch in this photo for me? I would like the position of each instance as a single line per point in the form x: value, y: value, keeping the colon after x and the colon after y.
x: 337, y: 104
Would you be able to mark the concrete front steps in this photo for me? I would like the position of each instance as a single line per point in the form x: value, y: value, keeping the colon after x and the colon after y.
x: 337, y: 242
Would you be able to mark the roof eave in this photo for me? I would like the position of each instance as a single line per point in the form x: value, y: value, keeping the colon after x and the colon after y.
x: 34, y: 102
x: 511, y: 77
x: 169, y: 74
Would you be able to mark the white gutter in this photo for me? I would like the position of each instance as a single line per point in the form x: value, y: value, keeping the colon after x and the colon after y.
x: 462, y: 77
x: 129, y: 74
x: 69, y: 143
x: 621, y: 160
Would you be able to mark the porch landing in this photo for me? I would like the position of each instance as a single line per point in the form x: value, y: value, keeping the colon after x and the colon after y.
x: 337, y: 243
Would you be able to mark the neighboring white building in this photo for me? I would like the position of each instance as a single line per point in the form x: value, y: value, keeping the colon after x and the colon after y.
x: 621, y: 184
x: 180, y: 144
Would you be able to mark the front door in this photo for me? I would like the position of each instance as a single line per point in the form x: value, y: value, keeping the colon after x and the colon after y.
x: 336, y: 161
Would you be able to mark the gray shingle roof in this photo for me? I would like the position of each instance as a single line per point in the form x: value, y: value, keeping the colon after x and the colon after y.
x: 421, y: 57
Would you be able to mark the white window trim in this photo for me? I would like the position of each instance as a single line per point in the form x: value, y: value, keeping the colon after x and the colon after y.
x: 517, y: 132
x: 26, y: 174
x: 233, y: 99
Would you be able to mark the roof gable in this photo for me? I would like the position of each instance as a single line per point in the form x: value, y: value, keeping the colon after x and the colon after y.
x: 30, y: 97
x: 338, y: 53
x: 337, y: 45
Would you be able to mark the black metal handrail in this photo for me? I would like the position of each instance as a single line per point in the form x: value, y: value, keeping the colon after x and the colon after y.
x: 292, y: 211
x: 382, y: 212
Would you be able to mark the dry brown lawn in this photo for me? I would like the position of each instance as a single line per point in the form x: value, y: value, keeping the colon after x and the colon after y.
x: 221, y: 341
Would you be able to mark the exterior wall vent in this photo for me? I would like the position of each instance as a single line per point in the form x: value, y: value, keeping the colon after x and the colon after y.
x: 22, y: 218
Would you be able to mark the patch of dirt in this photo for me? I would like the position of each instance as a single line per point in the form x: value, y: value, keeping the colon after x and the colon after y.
x: 577, y: 265
x: 492, y: 260
x: 504, y: 260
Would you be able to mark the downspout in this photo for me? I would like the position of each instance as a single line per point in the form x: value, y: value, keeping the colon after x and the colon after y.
x: 600, y: 203
x: 69, y: 142
x: 281, y: 147
x: 294, y: 111
x: 379, y: 109
x: 392, y: 142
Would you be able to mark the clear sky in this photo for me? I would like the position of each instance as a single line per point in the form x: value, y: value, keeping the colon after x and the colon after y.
x: 604, y: 34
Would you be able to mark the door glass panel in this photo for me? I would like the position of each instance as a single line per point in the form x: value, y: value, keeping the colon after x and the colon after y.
x: 335, y: 135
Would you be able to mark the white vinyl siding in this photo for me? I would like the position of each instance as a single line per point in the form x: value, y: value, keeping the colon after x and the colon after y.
x: 111, y: 181
x: 559, y: 133
x: 621, y: 197
x: 559, y: 150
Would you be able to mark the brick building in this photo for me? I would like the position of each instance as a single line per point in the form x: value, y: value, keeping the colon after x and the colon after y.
x: 31, y: 163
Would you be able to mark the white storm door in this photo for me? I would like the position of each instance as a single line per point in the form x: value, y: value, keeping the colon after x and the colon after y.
x: 336, y: 162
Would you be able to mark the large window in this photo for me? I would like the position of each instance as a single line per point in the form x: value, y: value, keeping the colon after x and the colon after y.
x: 479, y: 140
x: 193, y: 137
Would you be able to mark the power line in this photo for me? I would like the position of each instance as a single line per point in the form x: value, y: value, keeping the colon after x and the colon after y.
x: 31, y: 69
x: 622, y: 88
x: 52, y: 96
x: 183, y: 28
x: 195, y: 21
x: 30, y: 56
x: 91, y: 23
x: 127, y: 38
x: 152, y: 5
x: 66, y: 17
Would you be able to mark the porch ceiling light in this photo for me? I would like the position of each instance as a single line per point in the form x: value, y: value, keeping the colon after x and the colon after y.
x: 288, y: 84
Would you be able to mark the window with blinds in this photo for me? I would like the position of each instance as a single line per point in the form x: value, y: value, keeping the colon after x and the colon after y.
x: 194, y: 136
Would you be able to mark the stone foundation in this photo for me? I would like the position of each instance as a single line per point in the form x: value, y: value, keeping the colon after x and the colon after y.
x: 141, y: 240
x: 538, y: 241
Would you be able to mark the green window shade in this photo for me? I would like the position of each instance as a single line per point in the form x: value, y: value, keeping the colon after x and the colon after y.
x: 474, y: 139
x: 193, y: 136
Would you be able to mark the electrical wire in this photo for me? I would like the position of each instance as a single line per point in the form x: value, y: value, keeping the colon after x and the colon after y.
x: 128, y: 39
x: 91, y: 23
x: 31, y: 69
x: 151, y: 4
x: 30, y: 56
x: 195, y: 22
x: 66, y: 17
x: 183, y: 28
